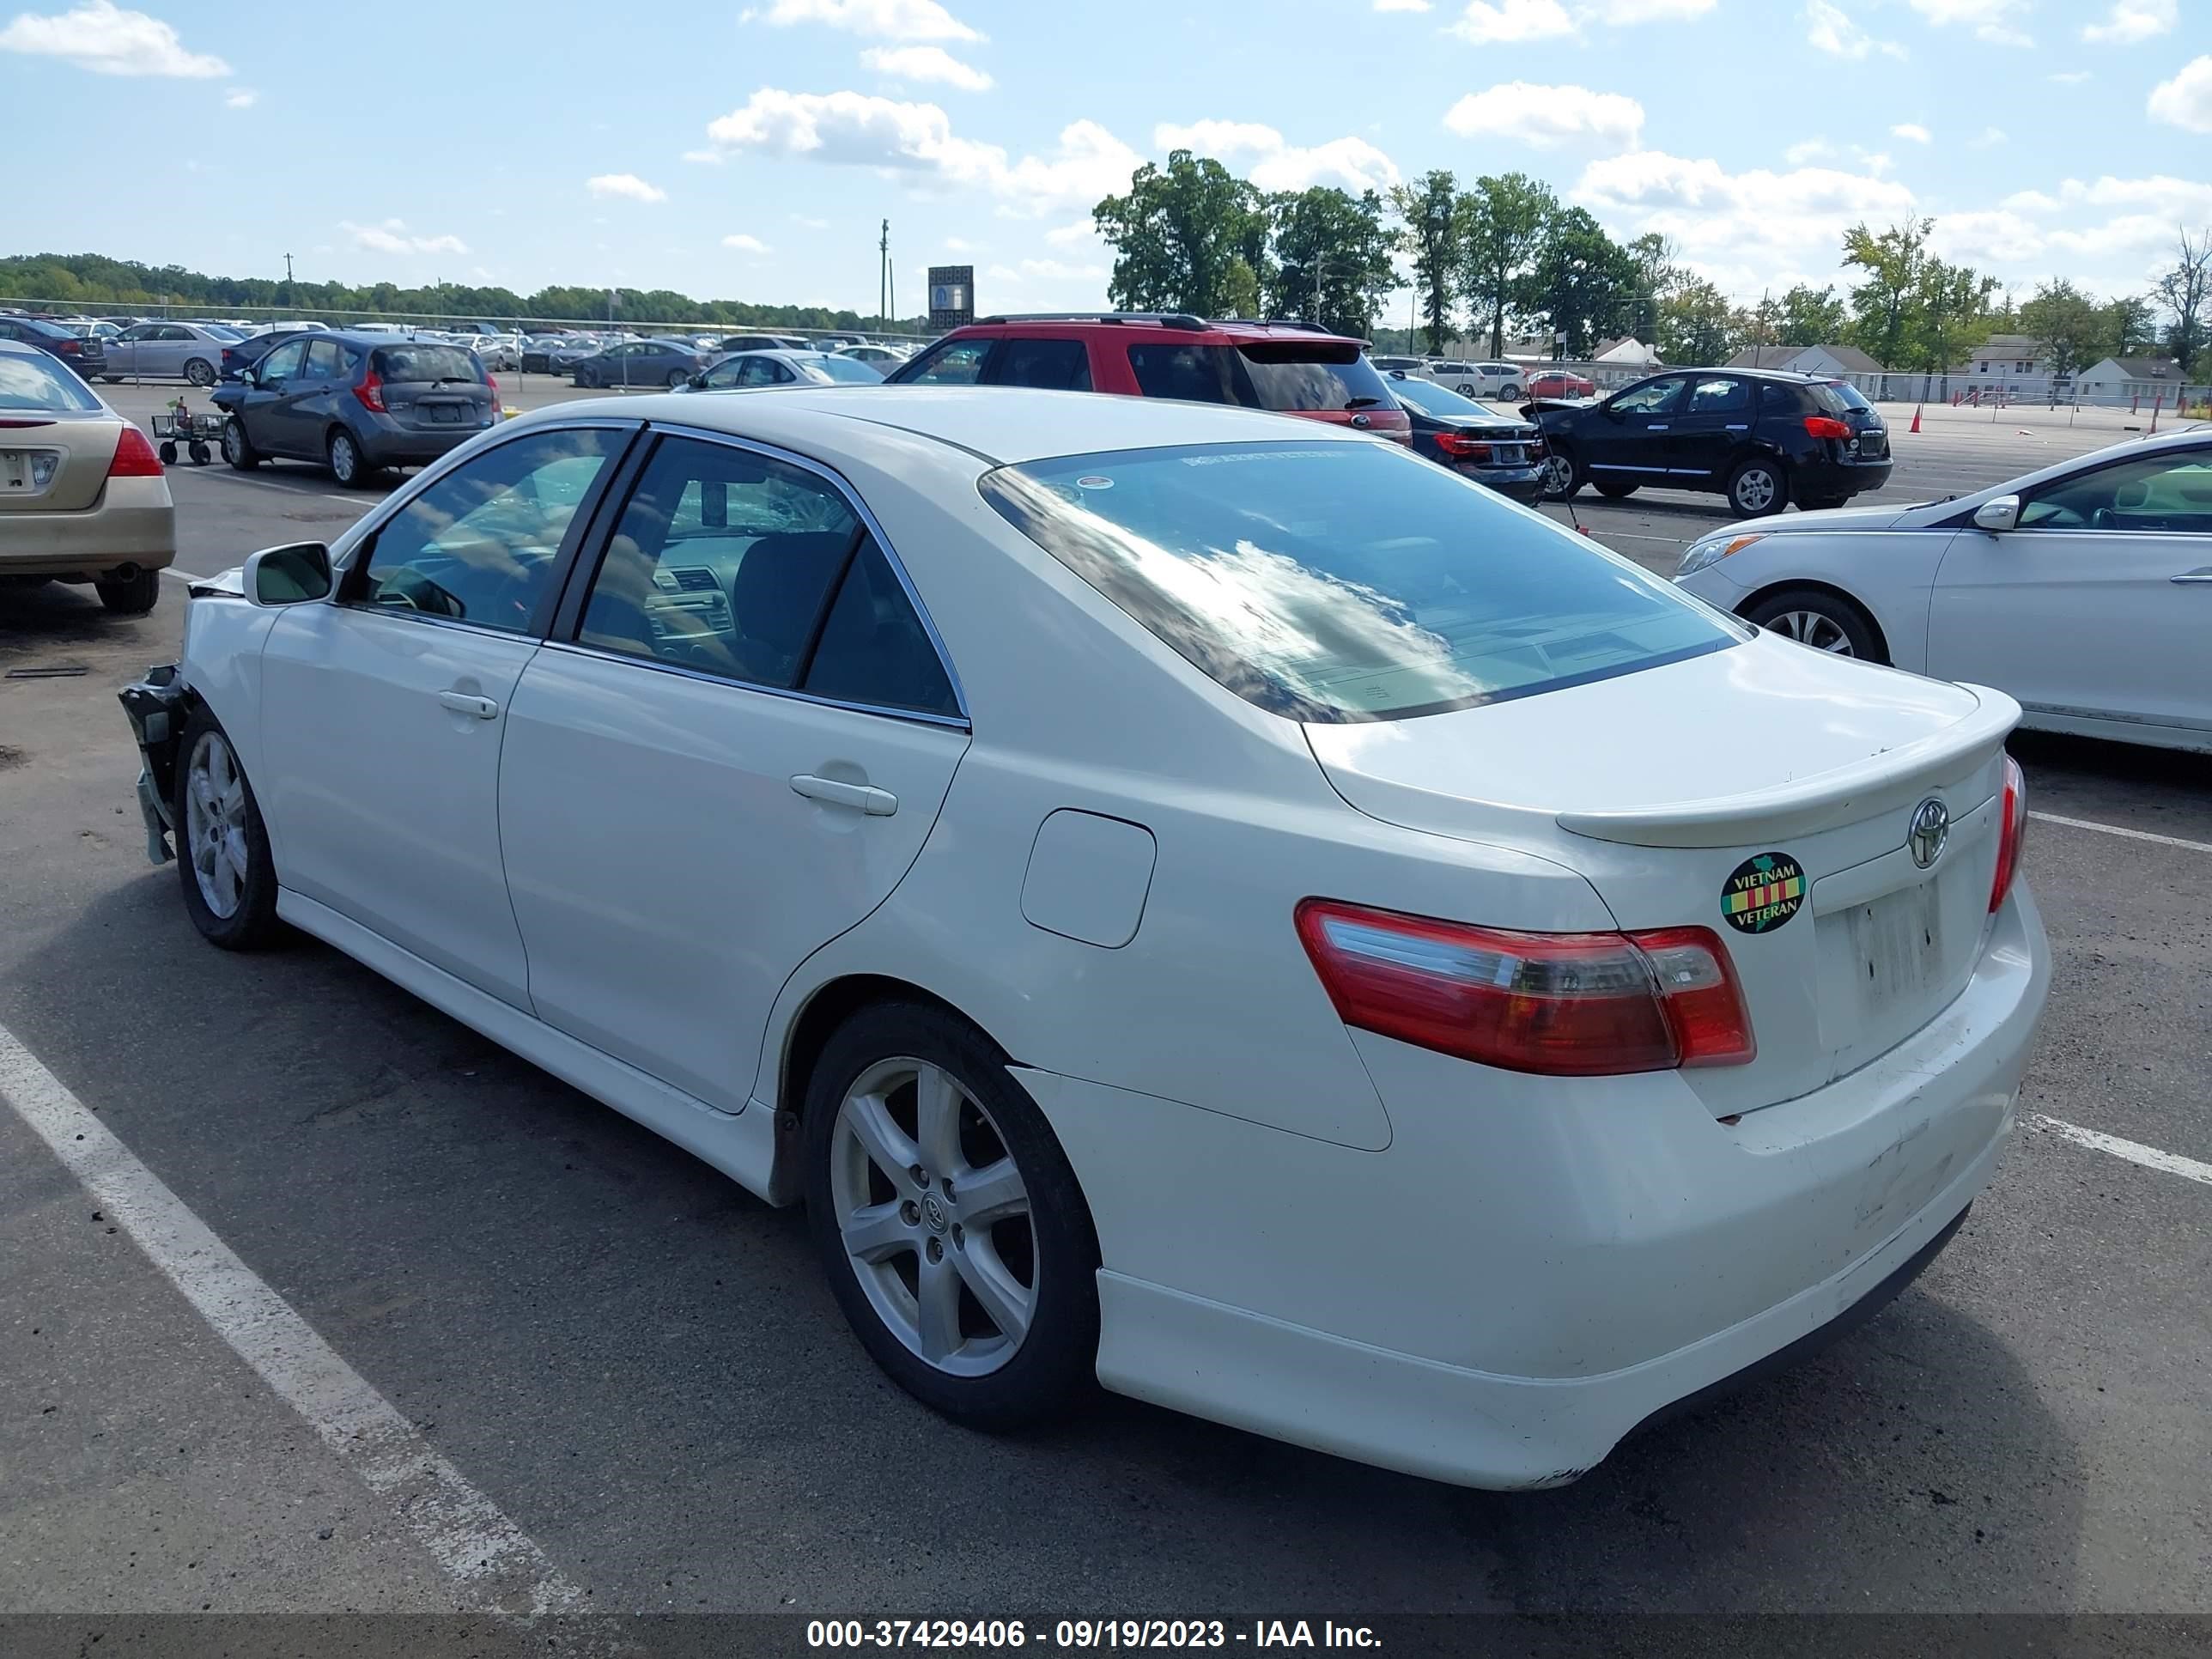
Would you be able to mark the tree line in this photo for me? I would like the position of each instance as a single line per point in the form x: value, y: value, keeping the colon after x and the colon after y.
x: 92, y: 280
x: 1502, y: 257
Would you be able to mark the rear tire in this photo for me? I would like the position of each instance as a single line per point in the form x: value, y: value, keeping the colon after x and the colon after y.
x: 1562, y: 475
x: 222, y: 850
x: 237, y: 448
x: 347, y: 465
x: 1616, y: 492
x: 1042, y: 1226
x: 1759, y: 488
x: 199, y: 372
x: 168, y: 454
x: 676, y: 378
x: 132, y: 597
x: 1820, y: 620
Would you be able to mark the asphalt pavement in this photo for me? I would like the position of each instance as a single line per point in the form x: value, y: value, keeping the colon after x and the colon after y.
x: 637, y: 1367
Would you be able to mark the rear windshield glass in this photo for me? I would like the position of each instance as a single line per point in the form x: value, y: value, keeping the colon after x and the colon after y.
x: 427, y: 362
x: 848, y: 369
x: 1345, y: 581
x: 1436, y: 400
x: 1292, y: 375
x: 1838, y: 396
x: 39, y: 383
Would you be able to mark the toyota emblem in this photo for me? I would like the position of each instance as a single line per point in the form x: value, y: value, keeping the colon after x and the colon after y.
x: 1930, y: 831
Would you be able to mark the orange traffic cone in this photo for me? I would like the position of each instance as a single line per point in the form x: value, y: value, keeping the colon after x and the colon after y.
x: 1915, y: 417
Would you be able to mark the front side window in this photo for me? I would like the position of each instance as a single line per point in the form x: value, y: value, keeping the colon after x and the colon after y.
x: 957, y: 363
x: 479, y: 545
x: 2171, y: 493
x: 1652, y: 398
x: 1342, y: 582
x: 284, y: 363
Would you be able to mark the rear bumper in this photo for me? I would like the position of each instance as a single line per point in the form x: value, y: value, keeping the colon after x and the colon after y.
x: 1526, y: 1274
x: 387, y: 443
x: 133, y: 523
x: 1851, y: 478
x: 1524, y: 484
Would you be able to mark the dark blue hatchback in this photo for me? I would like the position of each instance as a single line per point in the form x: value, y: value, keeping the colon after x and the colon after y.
x: 356, y: 402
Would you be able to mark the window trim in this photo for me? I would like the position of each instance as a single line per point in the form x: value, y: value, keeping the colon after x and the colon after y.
x: 583, y: 570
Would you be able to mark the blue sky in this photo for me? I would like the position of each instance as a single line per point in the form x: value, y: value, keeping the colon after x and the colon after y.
x: 750, y: 152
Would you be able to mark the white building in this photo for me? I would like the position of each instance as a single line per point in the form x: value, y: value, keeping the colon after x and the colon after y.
x: 2149, y: 381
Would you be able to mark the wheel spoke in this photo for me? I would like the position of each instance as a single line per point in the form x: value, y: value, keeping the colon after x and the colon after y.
x: 938, y: 1293
x: 1002, y: 1296
x: 233, y: 856
x: 876, y: 1233
x: 936, y: 1101
x: 991, y: 1194
x: 885, y: 1142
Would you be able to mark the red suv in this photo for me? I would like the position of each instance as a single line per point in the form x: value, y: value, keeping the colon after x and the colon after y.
x: 1293, y: 369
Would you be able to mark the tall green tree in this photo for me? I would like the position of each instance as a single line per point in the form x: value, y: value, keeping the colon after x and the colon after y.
x: 1501, y: 220
x: 1949, y: 317
x: 1331, y: 258
x: 1431, y: 230
x: 1696, y: 324
x: 2067, y: 325
x: 2130, y: 326
x: 1180, y: 236
x: 1583, y: 283
x: 1882, y: 301
x: 1805, y: 315
x: 2184, y: 290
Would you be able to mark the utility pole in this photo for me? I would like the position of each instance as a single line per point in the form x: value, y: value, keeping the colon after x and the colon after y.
x: 288, y: 270
x: 882, y: 279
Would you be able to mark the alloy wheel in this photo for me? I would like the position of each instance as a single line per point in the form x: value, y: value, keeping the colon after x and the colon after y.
x: 1754, y: 489
x: 215, y: 823
x: 935, y: 1216
x: 1813, y: 627
x: 1559, y: 475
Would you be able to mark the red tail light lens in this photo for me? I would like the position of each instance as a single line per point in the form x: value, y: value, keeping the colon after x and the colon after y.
x: 1826, y: 425
x: 1567, y: 1004
x: 370, y: 391
x: 1463, y: 449
x: 134, y: 457
x: 2012, y: 832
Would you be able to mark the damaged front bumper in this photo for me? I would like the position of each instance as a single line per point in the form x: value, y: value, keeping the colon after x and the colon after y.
x: 157, y: 707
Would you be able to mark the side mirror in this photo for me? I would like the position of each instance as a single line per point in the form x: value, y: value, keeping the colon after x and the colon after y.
x: 697, y: 382
x: 249, y: 375
x: 289, y: 576
x: 1998, y: 512
x: 1611, y: 413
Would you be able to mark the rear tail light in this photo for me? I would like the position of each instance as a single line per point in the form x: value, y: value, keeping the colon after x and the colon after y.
x: 370, y: 391
x: 134, y: 457
x: 1463, y: 449
x: 1567, y: 1004
x: 71, y: 347
x: 2012, y: 832
x: 1826, y: 425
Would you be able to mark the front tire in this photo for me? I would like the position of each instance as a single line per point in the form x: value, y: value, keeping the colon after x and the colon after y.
x: 237, y: 448
x: 1823, y: 621
x: 222, y: 850
x: 133, y: 597
x: 1757, y: 488
x: 200, y: 372
x: 949, y: 1224
x: 1616, y: 492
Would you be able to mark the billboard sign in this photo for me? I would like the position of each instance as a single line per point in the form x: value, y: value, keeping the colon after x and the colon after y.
x: 952, y: 295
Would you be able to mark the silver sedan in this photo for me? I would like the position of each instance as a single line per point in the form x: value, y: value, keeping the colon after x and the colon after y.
x: 185, y: 351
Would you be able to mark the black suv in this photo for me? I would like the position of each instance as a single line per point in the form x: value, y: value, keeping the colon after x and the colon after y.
x: 1761, y: 437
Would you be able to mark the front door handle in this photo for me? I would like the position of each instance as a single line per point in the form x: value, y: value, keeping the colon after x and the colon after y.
x: 860, y: 797
x: 462, y: 702
x: 1656, y: 426
x: 2201, y: 573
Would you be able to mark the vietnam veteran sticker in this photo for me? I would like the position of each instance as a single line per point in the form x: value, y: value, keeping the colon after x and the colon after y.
x: 1762, y: 893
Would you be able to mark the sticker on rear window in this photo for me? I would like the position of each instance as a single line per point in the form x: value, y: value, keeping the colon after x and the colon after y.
x: 1762, y: 893
x: 1092, y: 480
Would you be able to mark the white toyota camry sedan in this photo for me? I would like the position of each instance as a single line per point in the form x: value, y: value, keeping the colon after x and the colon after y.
x: 2083, y: 590
x: 1192, y: 901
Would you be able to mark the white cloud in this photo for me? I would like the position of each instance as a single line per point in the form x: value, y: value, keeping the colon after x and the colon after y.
x: 1987, y: 18
x: 745, y: 243
x: 1402, y: 5
x: 855, y: 128
x: 101, y: 36
x: 709, y: 158
x: 392, y: 236
x: 1076, y: 230
x: 2176, y: 201
x: 1830, y: 28
x: 1546, y: 116
x: 960, y: 244
x: 1912, y: 131
x: 1807, y: 149
x: 627, y: 186
x: 2185, y: 101
x: 1987, y: 138
x: 926, y: 64
x: 805, y: 222
x: 1977, y: 237
x: 241, y: 98
x: 1616, y: 12
x: 1488, y: 21
x: 1277, y: 164
x: 2132, y: 20
x: 886, y: 20
x: 2068, y: 77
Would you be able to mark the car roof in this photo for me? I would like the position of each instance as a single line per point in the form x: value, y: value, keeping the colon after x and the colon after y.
x: 997, y: 425
x: 1175, y: 324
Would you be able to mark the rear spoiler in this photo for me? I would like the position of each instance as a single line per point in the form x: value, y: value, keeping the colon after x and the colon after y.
x: 1803, y: 806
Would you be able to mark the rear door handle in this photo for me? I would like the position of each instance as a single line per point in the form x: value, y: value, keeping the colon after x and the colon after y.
x: 1656, y: 426
x: 461, y: 702
x: 2201, y: 573
x: 860, y: 797
x: 1739, y: 426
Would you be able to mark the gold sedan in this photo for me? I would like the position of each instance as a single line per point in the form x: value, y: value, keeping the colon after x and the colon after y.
x: 83, y: 495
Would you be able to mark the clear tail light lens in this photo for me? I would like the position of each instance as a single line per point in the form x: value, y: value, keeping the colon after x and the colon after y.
x: 2012, y: 832
x: 1567, y: 1004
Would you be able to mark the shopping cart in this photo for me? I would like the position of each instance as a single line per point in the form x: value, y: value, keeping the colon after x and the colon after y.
x: 196, y: 432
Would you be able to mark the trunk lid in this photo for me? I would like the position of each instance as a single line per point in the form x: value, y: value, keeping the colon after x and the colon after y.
x: 434, y: 387
x: 1766, y: 793
x: 55, y: 462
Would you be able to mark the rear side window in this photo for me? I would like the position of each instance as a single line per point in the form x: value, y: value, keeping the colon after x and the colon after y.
x: 1049, y: 365
x: 851, y: 370
x: 426, y: 363
x: 874, y: 648
x: 1717, y: 396
x: 1342, y: 582
x: 1780, y: 398
x: 959, y: 362
x: 1838, y: 397
x: 1287, y: 377
x: 39, y: 383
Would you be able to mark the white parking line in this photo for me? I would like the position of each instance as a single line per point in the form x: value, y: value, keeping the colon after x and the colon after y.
x: 2150, y: 1157
x: 2115, y: 830
x: 263, y: 483
x: 464, y: 1531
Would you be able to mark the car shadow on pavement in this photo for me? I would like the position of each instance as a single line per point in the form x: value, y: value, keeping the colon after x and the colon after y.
x: 643, y: 1365
x: 54, y: 614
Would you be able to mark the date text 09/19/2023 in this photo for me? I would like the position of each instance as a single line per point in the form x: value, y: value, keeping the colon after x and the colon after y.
x: 1085, y: 1633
